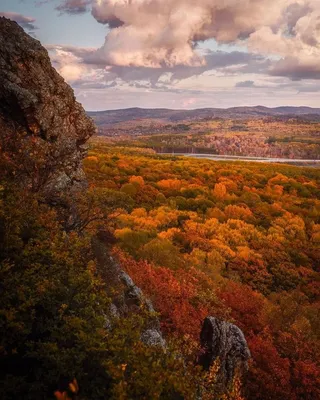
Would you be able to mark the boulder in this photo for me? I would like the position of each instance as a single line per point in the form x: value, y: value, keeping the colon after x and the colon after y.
x: 225, y: 342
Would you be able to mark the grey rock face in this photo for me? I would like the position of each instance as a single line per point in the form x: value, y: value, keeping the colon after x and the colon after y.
x: 153, y: 337
x: 43, y: 129
x: 126, y: 296
x: 220, y: 339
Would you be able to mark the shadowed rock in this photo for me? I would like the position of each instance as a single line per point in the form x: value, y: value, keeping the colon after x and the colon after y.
x: 226, y: 342
x: 43, y: 128
x: 127, y: 298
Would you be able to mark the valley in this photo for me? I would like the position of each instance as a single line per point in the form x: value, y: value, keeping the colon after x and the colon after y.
x: 235, y: 132
x: 156, y: 253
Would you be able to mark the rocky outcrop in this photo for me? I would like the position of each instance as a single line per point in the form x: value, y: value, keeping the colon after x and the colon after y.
x: 226, y: 342
x: 127, y: 298
x: 43, y: 129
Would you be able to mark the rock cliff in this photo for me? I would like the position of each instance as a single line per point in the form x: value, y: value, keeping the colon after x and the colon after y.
x: 43, y: 129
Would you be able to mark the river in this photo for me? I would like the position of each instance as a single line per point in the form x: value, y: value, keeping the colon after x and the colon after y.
x: 220, y: 157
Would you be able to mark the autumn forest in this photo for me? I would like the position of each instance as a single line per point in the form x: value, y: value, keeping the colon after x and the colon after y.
x: 236, y: 240
x: 127, y: 274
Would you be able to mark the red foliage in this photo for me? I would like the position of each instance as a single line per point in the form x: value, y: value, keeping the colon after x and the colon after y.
x: 306, y: 379
x: 246, y: 306
x: 269, y: 372
x: 175, y: 295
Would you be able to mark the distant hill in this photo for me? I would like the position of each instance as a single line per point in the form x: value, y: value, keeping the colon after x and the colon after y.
x: 110, y: 117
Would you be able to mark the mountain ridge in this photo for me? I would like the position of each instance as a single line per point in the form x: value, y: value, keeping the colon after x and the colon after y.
x: 170, y: 115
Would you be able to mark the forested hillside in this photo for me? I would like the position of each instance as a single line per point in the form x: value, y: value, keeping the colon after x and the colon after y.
x: 243, y: 134
x: 129, y: 275
x: 73, y: 324
x: 239, y: 241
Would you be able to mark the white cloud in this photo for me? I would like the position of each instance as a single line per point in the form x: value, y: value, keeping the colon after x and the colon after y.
x: 71, y: 72
x: 157, y: 48
x: 166, y: 33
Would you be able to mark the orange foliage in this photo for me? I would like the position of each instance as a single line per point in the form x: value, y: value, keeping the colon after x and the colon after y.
x: 171, y: 184
x: 137, y: 179
x: 219, y: 190
x: 239, y: 241
x: 238, y: 212
x: 176, y: 295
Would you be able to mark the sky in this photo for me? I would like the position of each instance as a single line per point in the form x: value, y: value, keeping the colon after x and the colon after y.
x: 180, y: 54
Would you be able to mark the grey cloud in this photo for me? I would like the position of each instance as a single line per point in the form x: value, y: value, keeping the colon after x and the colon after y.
x: 114, y: 23
x: 278, y: 84
x: 309, y: 89
x: 84, y: 84
x: 27, y: 23
x: 74, y: 6
x: 256, y: 66
x: 292, y: 15
x: 129, y: 74
x: 220, y: 61
x: 295, y: 69
x: 245, y: 84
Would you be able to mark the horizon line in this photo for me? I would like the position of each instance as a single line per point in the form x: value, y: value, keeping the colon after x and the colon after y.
x: 204, y: 108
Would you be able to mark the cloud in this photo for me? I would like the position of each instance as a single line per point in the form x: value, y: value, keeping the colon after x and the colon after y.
x: 296, y: 44
x: 75, y: 63
x: 228, y: 63
x: 71, y: 72
x: 27, y: 23
x: 166, y: 33
x: 245, y: 84
x: 297, y: 69
x: 313, y: 89
x: 74, y: 6
x: 162, y: 33
x: 189, y: 102
x: 88, y: 84
x: 100, y: 87
x: 115, y: 98
x: 85, y: 55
